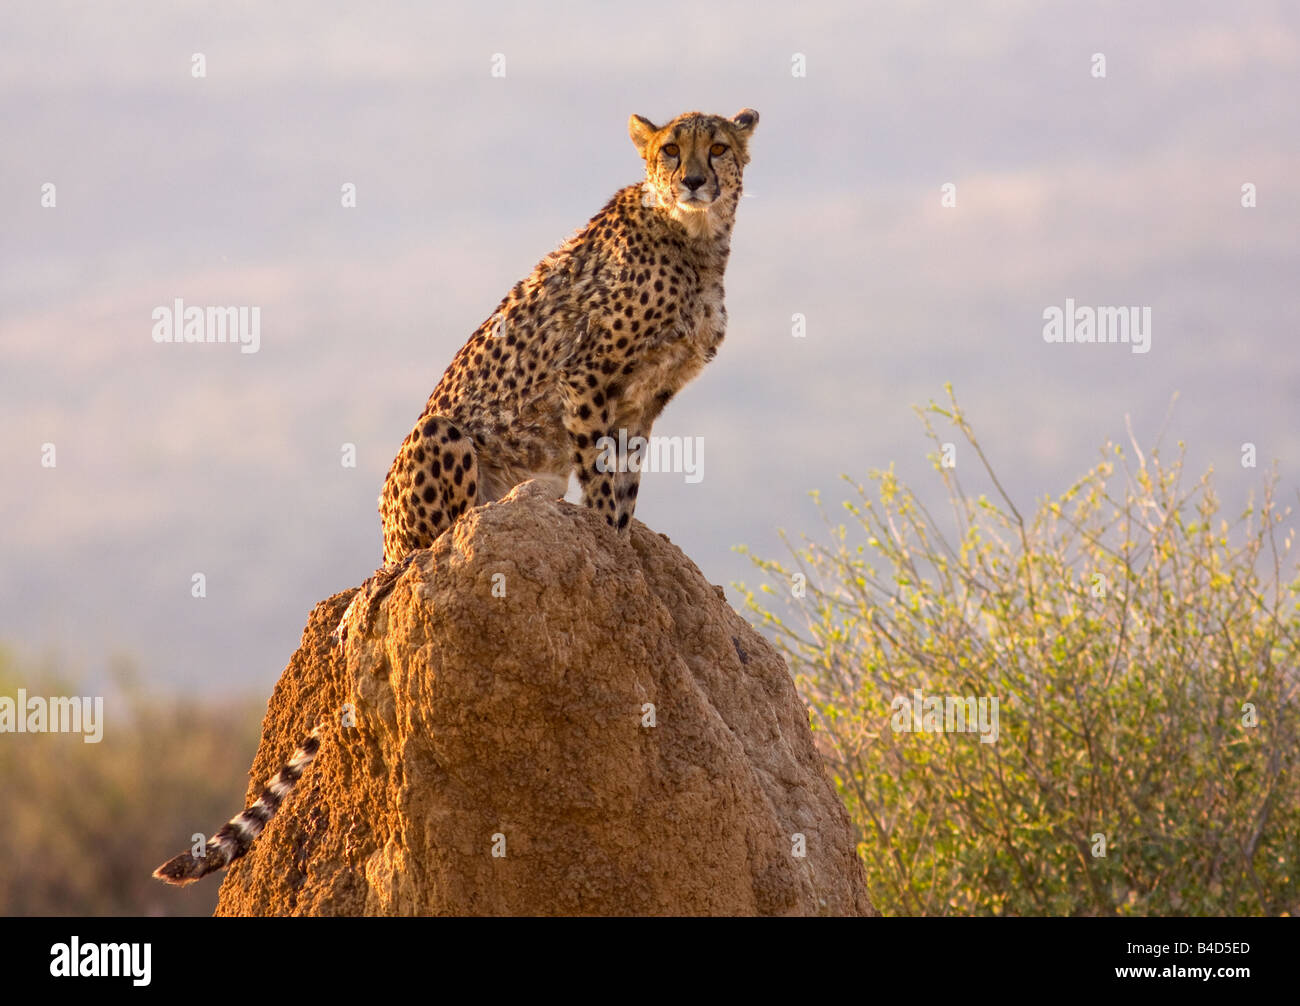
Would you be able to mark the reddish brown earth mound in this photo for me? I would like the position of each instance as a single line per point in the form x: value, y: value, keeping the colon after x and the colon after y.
x: 501, y: 759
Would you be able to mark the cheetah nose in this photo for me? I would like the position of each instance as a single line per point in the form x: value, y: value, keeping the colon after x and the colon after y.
x: 693, y: 182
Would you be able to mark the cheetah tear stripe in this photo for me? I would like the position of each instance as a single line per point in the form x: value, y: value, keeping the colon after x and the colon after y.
x: 236, y: 836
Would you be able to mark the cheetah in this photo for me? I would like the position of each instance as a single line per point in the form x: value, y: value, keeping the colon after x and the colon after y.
x: 596, y: 340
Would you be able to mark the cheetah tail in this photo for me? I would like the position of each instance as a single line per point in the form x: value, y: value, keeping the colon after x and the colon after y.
x: 238, y: 834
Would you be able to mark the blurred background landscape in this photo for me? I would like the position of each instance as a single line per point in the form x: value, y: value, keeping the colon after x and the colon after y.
x: 177, y: 460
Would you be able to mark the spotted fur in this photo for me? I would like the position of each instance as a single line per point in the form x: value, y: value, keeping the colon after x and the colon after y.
x: 597, y: 339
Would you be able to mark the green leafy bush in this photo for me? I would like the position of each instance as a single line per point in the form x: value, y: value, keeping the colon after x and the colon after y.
x: 1144, y: 658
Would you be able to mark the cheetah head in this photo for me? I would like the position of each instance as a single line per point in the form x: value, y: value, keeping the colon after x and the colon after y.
x: 694, y: 164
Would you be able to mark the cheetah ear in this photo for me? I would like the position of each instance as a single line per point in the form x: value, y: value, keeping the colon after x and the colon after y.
x: 745, y: 120
x: 642, y: 131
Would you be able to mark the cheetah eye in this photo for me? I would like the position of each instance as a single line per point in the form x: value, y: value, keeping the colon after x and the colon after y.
x: 718, y: 149
x: 671, y: 149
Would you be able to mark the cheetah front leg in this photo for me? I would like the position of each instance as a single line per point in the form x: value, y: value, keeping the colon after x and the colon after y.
x: 609, y: 478
x: 609, y: 485
x: 626, y: 485
x: 434, y: 479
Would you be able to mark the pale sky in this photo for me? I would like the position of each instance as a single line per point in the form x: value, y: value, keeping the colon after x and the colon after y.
x: 1123, y: 190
